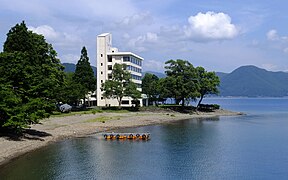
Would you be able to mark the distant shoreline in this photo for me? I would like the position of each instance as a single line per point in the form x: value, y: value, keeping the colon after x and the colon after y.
x: 58, y: 128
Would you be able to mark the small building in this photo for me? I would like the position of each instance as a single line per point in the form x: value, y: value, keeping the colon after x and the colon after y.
x: 107, y: 56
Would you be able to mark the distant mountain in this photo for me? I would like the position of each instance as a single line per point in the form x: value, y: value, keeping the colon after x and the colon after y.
x: 70, y: 67
x: 251, y: 81
x: 246, y: 81
x: 221, y: 74
x: 158, y: 74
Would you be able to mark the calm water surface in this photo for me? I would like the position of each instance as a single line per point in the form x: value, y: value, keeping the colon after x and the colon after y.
x: 254, y: 146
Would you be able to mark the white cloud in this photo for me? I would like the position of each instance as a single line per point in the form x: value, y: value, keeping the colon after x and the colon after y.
x: 151, y: 37
x: 69, y: 58
x: 46, y: 31
x: 140, y: 43
x: 154, y: 65
x: 279, y: 42
x: 137, y: 19
x: 210, y: 26
x: 272, y: 35
x: 57, y: 38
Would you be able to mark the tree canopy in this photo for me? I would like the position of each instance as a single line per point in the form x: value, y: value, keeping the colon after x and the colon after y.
x: 84, y: 74
x: 181, y: 82
x: 208, y: 83
x: 71, y: 91
x: 31, y: 76
x: 150, y: 87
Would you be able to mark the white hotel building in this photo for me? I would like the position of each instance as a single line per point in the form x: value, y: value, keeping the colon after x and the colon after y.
x: 107, y: 56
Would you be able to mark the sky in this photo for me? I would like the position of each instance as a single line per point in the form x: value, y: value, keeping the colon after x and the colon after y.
x: 219, y: 35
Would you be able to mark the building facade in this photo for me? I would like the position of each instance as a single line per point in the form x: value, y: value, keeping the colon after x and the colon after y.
x: 107, y: 56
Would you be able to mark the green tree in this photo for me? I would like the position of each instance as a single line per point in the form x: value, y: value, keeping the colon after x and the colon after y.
x: 120, y: 85
x: 32, y: 75
x: 71, y: 92
x: 208, y: 83
x: 131, y: 91
x: 181, y: 81
x: 9, y: 106
x: 84, y: 74
x: 150, y: 87
x: 18, y: 39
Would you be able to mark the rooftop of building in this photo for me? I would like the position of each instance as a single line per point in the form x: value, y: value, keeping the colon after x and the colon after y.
x: 124, y: 54
x: 103, y: 34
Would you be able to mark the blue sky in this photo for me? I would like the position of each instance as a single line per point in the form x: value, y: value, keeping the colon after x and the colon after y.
x: 219, y: 35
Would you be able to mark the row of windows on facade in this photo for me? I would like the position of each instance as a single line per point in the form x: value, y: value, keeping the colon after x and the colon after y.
x: 133, y: 60
x: 137, y: 84
x: 132, y: 68
x: 133, y: 76
x: 136, y: 77
x: 127, y: 59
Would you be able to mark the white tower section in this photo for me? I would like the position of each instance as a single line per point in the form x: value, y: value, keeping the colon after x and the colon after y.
x: 103, y: 46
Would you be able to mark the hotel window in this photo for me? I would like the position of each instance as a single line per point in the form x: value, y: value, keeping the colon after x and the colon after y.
x: 101, y: 72
x: 126, y: 58
x: 101, y: 81
x: 109, y: 76
x: 101, y: 64
x: 109, y: 59
x: 101, y: 55
x: 102, y: 98
x: 109, y: 67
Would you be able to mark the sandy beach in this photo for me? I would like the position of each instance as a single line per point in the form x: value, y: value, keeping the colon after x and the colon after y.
x: 57, y: 128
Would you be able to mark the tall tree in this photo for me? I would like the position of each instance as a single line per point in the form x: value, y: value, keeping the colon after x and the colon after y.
x: 18, y: 39
x: 208, y: 83
x: 181, y: 81
x: 150, y: 87
x: 30, y: 68
x: 84, y: 74
x: 120, y: 85
x: 71, y: 92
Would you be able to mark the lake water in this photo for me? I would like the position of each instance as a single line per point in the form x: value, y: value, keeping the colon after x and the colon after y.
x: 254, y: 146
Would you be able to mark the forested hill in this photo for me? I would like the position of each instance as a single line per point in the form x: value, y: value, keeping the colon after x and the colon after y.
x: 70, y: 67
x: 251, y: 81
x: 247, y: 81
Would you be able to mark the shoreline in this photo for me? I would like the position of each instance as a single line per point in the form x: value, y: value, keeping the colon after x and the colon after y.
x: 55, y: 129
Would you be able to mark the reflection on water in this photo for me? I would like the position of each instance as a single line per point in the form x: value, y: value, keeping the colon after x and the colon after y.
x: 243, y: 147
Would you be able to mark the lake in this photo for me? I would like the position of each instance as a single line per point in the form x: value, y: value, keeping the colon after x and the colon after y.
x: 254, y: 146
